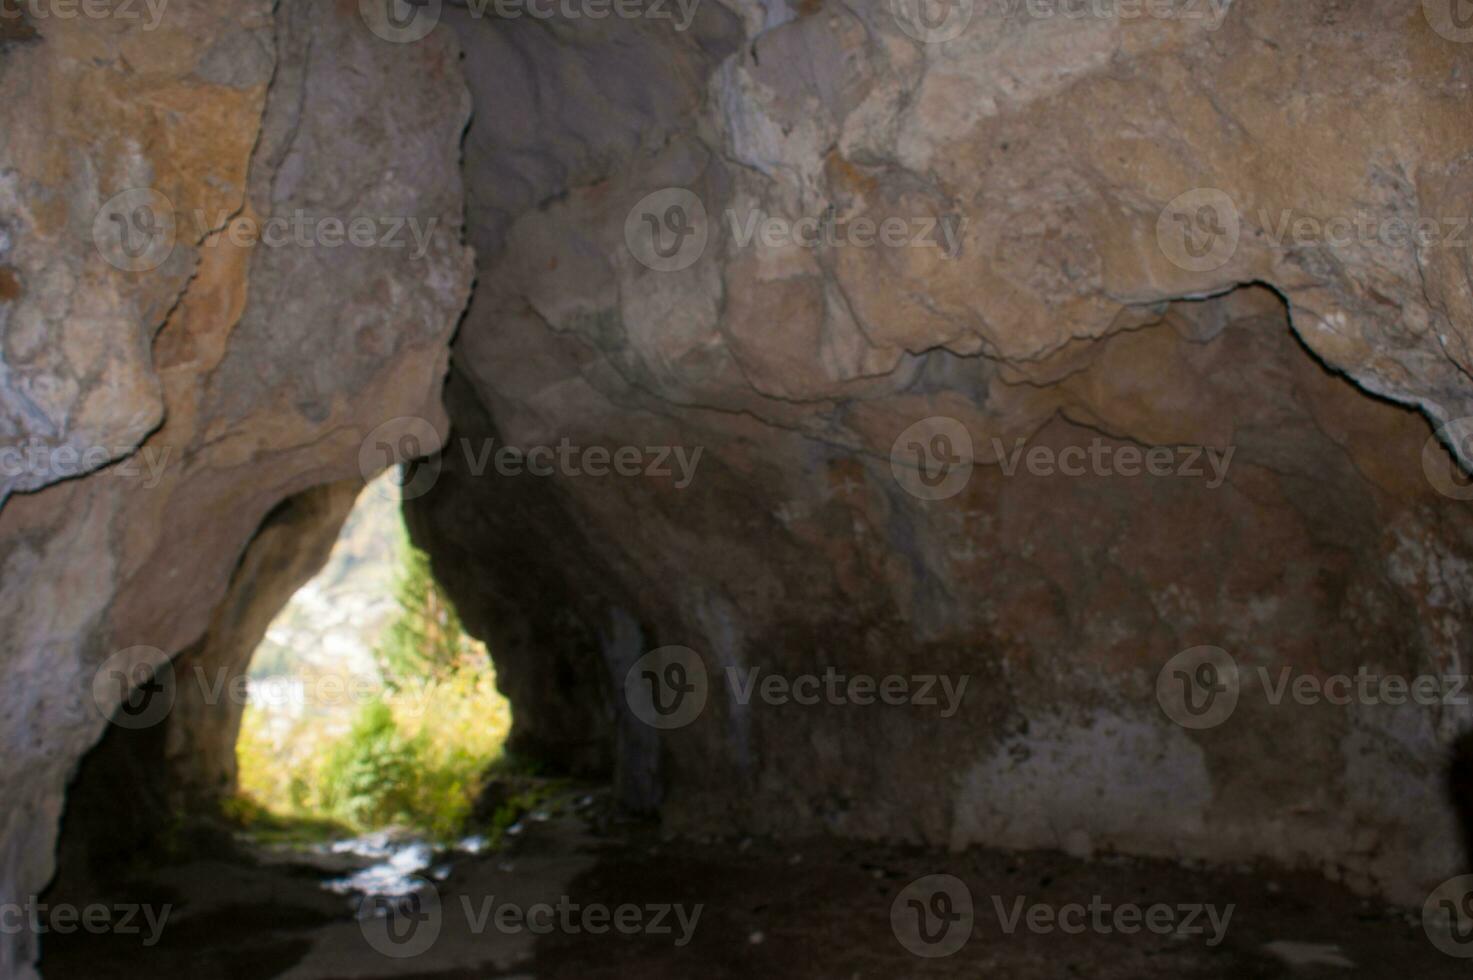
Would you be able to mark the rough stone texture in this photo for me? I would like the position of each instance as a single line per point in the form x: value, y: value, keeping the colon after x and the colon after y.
x: 1062, y: 317
x: 1068, y: 309
x: 291, y: 546
x: 132, y: 790
x: 268, y: 366
x: 545, y: 621
x: 93, y: 109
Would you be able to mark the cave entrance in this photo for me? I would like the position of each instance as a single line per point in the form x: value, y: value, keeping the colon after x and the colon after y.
x: 370, y: 709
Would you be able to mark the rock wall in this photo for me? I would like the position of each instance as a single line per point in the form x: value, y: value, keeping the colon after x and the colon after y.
x: 853, y: 307
x: 157, y: 786
x: 291, y: 546
x: 1115, y: 235
x: 206, y: 343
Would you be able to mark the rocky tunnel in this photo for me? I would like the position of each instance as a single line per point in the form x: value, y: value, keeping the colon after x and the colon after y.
x: 970, y: 429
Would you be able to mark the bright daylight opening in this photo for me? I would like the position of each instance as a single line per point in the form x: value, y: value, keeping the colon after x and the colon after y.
x: 372, y: 715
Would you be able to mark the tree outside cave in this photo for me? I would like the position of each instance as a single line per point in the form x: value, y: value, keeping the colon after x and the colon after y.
x: 370, y: 707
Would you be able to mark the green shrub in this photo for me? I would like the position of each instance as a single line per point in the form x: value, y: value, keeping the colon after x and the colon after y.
x: 426, y: 642
x: 416, y: 756
x: 371, y: 774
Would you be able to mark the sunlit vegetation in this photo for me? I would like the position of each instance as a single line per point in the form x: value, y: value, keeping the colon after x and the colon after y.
x: 406, y: 741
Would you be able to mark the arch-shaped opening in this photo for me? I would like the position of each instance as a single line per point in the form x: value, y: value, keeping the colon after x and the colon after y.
x: 956, y: 577
x: 1198, y: 476
x: 369, y: 707
x: 336, y: 734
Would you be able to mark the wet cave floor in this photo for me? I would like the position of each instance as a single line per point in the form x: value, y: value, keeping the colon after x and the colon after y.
x: 580, y: 892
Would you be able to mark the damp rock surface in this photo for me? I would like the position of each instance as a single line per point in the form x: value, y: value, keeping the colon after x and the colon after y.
x: 229, y: 377
x: 1011, y: 364
x: 1181, y: 403
x: 739, y: 907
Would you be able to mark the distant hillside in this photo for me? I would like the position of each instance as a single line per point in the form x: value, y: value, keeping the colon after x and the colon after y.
x: 336, y: 619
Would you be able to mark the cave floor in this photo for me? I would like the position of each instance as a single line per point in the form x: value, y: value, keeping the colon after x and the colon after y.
x: 819, y: 909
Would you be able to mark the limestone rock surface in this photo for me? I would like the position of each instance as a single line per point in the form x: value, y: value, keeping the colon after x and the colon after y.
x: 252, y: 364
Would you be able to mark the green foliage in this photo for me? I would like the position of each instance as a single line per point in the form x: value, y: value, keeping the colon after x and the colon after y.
x: 415, y: 756
x: 427, y: 641
x: 370, y: 776
x: 530, y: 793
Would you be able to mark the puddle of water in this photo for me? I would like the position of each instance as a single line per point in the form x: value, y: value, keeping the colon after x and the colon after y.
x: 474, y: 844
x: 399, y: 864
x: 397, y: 871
